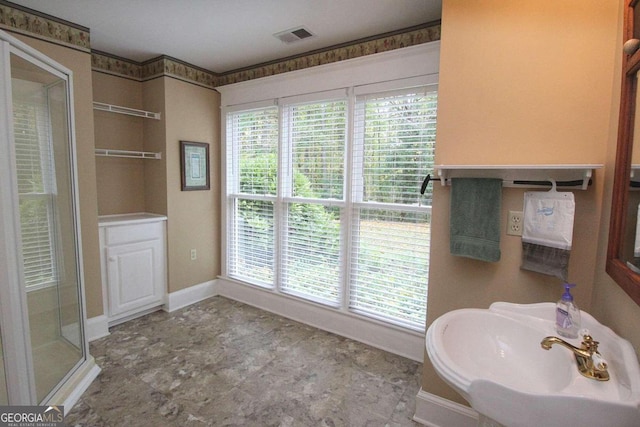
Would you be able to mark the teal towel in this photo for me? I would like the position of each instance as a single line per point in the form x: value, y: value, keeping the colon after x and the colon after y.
x: 475, y: 218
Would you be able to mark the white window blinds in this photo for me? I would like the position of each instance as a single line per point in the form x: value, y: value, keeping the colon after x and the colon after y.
x: 315, y: 136
x: 394, y: 150
x: 252, y: 156
x: 36, y: 184
x: 314, y: 141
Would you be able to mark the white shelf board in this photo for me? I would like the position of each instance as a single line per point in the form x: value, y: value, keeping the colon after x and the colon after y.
x: 525, y: 176
x: 105, y: 152
x: 129, y: 218
x: 125, y: 110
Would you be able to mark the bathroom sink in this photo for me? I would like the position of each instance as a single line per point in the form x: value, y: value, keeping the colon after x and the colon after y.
x: 493, y: 358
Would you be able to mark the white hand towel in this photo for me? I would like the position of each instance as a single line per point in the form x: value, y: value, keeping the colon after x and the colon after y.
x: 547, y: 232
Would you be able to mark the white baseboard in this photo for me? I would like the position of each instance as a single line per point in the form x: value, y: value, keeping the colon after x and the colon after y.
x: 116, y: 320
x: 435, y: 411
x: 395, y: 340
x: 191, y: 295
x: 97, y: 327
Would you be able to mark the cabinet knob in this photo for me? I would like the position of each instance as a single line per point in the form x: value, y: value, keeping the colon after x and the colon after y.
x: 112, y: 258
x: 631, y: 46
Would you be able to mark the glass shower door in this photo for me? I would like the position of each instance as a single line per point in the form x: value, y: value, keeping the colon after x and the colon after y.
x: 49, y: 246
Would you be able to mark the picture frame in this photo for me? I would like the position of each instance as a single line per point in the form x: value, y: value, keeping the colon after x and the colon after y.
x: 194, y: 166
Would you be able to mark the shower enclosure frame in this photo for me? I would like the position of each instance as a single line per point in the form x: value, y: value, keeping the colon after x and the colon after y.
x: 14, y: 319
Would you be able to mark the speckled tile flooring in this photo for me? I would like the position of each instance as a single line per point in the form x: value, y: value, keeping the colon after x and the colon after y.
x: 223, y: 363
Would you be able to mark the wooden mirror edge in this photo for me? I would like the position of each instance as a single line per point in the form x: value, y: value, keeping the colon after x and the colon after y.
x: 616, y: 267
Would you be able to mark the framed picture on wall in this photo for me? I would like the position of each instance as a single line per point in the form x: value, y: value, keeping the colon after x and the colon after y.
x: 194, y: 165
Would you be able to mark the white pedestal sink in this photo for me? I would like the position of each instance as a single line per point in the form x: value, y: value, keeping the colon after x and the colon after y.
x: 493, y: 358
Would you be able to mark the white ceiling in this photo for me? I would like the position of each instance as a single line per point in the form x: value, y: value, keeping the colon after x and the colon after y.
x: 223, y: 35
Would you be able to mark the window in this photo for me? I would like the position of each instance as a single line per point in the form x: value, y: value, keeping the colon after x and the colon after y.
x: 252, y: 185
x: 329, y: 211
x: 36, y: 184
x: 314, y: 140
x: 394, y: 149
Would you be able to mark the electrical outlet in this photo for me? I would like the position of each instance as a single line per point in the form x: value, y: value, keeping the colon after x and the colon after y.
x: 194, y: 255
x: 514, y: 223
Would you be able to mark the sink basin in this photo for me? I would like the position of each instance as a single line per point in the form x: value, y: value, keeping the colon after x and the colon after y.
x: 493, y: 358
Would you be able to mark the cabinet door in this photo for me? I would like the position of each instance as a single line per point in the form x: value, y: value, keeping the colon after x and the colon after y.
x: 135, y: 276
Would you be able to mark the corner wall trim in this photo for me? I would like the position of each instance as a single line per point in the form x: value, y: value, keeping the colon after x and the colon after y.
x: 97, y: 327
x: 191, y: 295
x: 435, y: 411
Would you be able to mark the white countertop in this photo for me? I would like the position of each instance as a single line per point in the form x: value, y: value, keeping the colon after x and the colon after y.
x: 129, y: 218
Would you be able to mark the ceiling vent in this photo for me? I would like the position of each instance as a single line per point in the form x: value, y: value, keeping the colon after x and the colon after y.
x: 293, y: 35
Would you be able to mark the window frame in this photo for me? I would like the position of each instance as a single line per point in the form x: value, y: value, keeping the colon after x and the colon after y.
x: 347, y: 205
x: 360, y: 206
x: 232, y: 195
x: 286, y: 188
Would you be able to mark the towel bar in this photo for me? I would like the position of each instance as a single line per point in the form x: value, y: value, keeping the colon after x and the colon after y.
x: 515, y: 183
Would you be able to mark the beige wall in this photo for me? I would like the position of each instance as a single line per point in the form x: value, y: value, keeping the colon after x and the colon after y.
x: 155, y: 140
x: 524, y: 82
x: 192, y: 114
x: 80, y: 64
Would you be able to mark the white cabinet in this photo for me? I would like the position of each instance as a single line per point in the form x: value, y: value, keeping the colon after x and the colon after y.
x: 133, y: 252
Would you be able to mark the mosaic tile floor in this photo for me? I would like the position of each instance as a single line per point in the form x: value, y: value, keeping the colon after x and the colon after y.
x: 223, y: 363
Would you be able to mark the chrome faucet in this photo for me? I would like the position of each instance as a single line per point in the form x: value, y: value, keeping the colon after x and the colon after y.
x: 591, y: 364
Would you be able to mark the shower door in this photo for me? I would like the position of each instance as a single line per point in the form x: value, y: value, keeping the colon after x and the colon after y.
x: 41, y: 279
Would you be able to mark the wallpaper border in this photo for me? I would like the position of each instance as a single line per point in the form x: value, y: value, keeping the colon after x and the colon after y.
x: 30, y: 22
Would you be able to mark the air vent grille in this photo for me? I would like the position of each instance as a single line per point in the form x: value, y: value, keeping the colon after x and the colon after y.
x: 293, y: 35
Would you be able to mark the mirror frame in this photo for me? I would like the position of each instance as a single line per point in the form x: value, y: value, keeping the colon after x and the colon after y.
x: 616, y: 266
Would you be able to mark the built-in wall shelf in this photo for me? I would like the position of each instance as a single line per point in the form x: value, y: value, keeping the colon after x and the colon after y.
x: 105, y: 152
x: 125, y: 110
x: 574, y: 176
